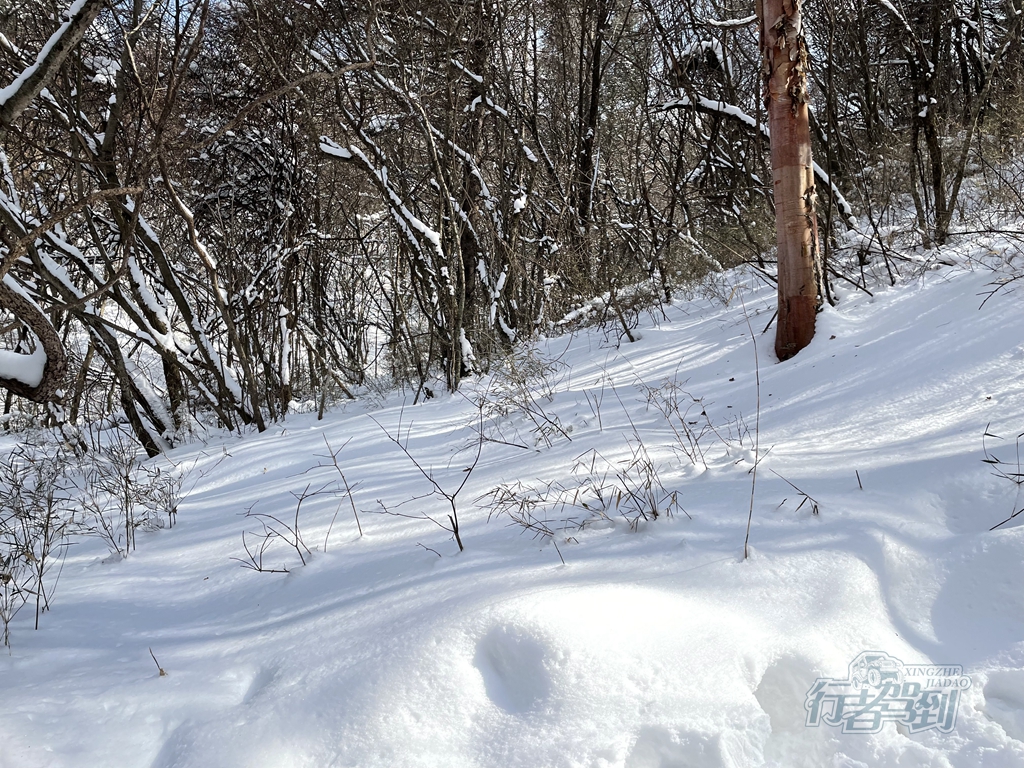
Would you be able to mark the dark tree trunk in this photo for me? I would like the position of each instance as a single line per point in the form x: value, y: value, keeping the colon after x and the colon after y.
x: 55, y: 367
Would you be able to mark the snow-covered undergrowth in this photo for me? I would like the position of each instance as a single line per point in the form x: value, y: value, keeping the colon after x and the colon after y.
x: 655, y: 644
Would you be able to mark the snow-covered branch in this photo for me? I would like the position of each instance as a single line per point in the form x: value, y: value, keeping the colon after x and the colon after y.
x: 746, y: 21
x: 715, y: 107
x: 18, y: 95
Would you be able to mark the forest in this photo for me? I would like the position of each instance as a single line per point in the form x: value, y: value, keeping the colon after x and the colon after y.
x: 214, y: 211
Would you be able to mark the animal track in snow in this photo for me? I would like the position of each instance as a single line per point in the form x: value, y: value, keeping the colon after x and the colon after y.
x: 511, y: 661
x: 1004, y: 701
x: 659, y: 747
x: 781, y: 694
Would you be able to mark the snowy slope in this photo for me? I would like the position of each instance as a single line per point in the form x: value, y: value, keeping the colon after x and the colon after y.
x: 651, y: 647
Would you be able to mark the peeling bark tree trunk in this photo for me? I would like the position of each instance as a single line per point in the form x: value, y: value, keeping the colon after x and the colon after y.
x: 785, y: 71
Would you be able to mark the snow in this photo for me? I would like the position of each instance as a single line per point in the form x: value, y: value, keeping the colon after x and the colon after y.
x: 468, y: 358
x: 899, y: 16
x: 106, y: 71
x: 156, y: 309
x: 286, y: 347
x: 658, y: 646
x: 26, y: 368
x: 462, y: 68
x: 746, y: 20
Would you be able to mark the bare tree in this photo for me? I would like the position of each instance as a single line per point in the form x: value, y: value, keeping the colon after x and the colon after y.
x: 38, y: 376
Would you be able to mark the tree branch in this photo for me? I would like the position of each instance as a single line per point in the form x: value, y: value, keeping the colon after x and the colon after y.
x: 16, y: 97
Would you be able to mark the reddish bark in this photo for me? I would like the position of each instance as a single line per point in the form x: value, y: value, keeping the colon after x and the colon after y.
x: 785, y: 70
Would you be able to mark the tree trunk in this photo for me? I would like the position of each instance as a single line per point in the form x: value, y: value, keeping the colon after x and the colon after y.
x: 590, y: 108
x: 785, y: 71
x: 477, y: 55
x: 51, y: 378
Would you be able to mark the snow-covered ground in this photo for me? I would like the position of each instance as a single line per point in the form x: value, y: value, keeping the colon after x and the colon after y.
x: 654, y: 644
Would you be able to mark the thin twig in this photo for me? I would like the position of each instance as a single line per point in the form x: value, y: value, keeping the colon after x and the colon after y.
x: 558, y: 550
x: 428, y: 549
x: 997, y: 525
x: 163, y: 672
x: 757, y: 431
x: 807, y: 496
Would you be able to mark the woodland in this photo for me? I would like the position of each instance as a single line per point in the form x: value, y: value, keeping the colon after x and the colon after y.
x: 214, y: 211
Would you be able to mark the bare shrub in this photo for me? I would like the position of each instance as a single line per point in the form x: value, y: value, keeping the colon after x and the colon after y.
x: 36, y: 521
x: 274, y: 530
x: 448, y: 492
x: 121, y: 495
x: 686, y: 415
x: 598, y: 489
x: 520, y: 388
x: 1005, y: 468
